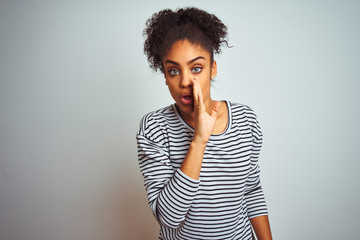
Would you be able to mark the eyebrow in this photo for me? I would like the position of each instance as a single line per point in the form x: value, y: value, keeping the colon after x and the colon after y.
x: 191, y: 61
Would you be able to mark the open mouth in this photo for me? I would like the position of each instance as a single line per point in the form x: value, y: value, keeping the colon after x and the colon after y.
x: 187, y: 99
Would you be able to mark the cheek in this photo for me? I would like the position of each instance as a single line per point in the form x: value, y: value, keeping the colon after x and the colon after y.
x: 172, y: 89
x: 206, y: 79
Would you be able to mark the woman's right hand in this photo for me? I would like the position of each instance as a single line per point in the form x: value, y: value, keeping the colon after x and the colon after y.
x: 204, y: 122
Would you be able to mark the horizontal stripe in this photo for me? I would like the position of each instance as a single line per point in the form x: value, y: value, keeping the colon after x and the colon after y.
x: 228, y: 192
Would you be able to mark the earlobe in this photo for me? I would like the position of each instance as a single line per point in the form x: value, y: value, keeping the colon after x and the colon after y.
x: 165, y: 78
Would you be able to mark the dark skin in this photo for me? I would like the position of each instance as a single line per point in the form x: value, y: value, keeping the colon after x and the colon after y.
x: 188, y: 72
x: 261, y: 227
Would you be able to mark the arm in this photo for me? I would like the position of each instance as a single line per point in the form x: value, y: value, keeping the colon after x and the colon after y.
x: 254, y: 197
x: 171, y: 191
x: 261, y: 227
x: 204, y: 125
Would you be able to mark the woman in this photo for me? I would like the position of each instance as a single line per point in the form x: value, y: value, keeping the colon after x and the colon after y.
x: 198, y: 156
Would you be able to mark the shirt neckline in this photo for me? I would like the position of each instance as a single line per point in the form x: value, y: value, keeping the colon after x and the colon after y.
x: 228, y: 125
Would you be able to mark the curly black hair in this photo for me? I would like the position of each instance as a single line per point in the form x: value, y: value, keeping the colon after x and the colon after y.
x: 166, y: 27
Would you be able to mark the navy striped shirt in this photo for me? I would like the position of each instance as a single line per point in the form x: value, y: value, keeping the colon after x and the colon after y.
x: 228, y: 192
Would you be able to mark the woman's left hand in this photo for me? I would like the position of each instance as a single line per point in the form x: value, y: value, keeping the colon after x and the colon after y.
x: 204, y: 122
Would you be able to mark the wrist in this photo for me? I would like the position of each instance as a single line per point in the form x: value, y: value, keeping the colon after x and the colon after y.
x: 198, y: 143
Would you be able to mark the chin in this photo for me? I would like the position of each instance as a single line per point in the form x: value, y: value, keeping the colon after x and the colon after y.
x: 185, y: 108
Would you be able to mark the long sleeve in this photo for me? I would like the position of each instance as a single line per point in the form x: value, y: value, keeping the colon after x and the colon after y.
x: 254, y: 196
x: 228, y: 193
x: 170, y: 192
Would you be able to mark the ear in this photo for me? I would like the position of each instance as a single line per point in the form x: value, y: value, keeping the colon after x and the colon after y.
x: 164, y: 74
x: 213, y: 70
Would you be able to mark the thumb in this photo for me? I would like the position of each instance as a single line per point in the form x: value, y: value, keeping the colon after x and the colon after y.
x: 215, y: 109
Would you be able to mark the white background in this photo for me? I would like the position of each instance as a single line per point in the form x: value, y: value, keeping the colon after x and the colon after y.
x: 74, y: 84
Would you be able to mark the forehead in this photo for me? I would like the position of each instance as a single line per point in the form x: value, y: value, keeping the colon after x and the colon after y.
x: 184, y: 50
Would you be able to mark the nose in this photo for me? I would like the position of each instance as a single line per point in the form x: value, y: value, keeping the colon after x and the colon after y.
x: 186, y: 80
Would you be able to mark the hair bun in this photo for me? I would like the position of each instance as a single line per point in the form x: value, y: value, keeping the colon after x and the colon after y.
x: 167, y: 26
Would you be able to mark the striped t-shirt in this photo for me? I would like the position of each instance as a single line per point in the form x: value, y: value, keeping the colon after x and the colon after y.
x: 228, y: 192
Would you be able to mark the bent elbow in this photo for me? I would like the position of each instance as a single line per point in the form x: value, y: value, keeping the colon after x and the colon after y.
x: 170, y: 224
x: 170, y: 221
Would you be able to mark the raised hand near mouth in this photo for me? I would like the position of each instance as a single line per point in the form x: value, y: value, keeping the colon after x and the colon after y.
x: 204, y: 126
x: 204, y: 122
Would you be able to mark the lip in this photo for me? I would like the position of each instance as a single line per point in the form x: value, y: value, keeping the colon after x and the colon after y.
x: 187, y: 99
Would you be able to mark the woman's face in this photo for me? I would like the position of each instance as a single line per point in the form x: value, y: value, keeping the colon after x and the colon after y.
x: 183, y: 63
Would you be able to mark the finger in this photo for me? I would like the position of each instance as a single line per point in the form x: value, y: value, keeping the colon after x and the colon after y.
x: 201, y: 100
x: 196, y: 92
x: 215, y: 110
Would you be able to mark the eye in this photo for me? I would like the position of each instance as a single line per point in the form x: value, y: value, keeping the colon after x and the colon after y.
x: 173, y: 72
x: 196, y: 69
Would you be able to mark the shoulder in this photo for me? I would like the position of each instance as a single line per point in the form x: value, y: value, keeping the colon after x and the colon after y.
x: 243, y: 115
x: 154, y: 120
x: 241, y: 110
